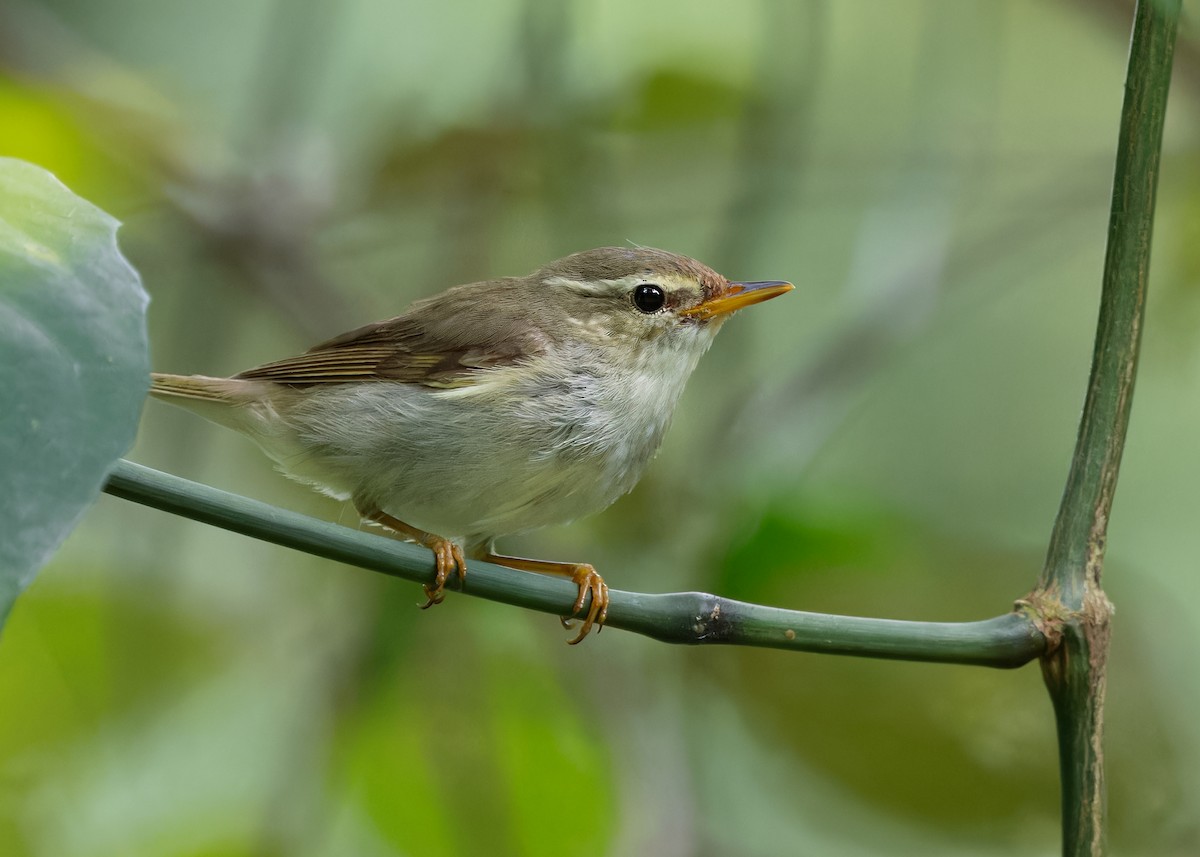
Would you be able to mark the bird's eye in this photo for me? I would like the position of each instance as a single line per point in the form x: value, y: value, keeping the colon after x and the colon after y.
x: 649, y: 298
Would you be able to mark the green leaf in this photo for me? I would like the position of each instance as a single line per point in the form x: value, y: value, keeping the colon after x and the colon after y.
x: 73, y: 364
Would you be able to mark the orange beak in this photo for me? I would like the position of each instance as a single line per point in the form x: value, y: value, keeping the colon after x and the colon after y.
x: 736, y: 296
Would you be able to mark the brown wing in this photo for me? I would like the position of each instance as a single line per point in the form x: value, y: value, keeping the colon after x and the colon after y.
x: 446, y: 341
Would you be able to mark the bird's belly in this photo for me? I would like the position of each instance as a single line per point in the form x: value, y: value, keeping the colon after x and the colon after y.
x: 515, y: 500
x: 448, y: 465
x: 480, y: 493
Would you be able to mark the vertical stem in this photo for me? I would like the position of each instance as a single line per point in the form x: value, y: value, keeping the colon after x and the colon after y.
x: 1069, y: 598
x: 1088, y: 497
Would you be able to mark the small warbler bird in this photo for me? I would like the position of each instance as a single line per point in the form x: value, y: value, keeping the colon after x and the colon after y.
x: 493, y: 408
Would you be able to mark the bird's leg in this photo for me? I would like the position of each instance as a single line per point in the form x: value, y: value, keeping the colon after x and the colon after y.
x: 582, y: 575
x: 447, y: 555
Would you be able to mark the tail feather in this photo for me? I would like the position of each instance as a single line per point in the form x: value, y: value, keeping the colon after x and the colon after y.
x: 221, y: 400
x: 194, y: 387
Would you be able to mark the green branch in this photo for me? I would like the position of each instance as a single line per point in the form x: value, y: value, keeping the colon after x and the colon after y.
x: 1009, y: 640
x: 1077, y: 542
x: 1077, y: 613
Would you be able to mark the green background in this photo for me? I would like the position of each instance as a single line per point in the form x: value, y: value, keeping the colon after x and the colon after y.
x: 891, y: 439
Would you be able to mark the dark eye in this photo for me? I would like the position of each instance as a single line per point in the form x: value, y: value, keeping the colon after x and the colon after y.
x: 649, y: 298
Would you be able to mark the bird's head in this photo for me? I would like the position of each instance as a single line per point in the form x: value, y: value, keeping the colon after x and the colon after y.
x: 642, y: 296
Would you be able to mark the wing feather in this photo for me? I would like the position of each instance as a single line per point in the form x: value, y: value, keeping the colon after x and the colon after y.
x: 451, y: 340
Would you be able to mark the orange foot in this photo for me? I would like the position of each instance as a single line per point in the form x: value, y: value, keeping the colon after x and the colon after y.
x: 582, y: 575
x: 447, y: 555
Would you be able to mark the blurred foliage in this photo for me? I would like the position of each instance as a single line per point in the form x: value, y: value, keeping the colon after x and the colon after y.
x: 891, y: 440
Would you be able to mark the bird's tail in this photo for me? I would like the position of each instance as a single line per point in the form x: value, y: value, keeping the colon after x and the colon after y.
x: 215, y: 399
x: 193, y: 387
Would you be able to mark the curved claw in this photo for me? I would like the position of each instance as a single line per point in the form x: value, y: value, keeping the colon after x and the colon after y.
x: 447, y: 555
x: 589, y: 582
x: 581, y: 574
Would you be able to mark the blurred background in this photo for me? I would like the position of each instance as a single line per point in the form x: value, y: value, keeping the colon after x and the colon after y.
x: 889, y: 440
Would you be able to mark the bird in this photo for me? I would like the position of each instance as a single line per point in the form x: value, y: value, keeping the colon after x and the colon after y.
x: 492, y: 408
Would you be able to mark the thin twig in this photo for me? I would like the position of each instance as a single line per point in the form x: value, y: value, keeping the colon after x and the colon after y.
x: 1009, y: 640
